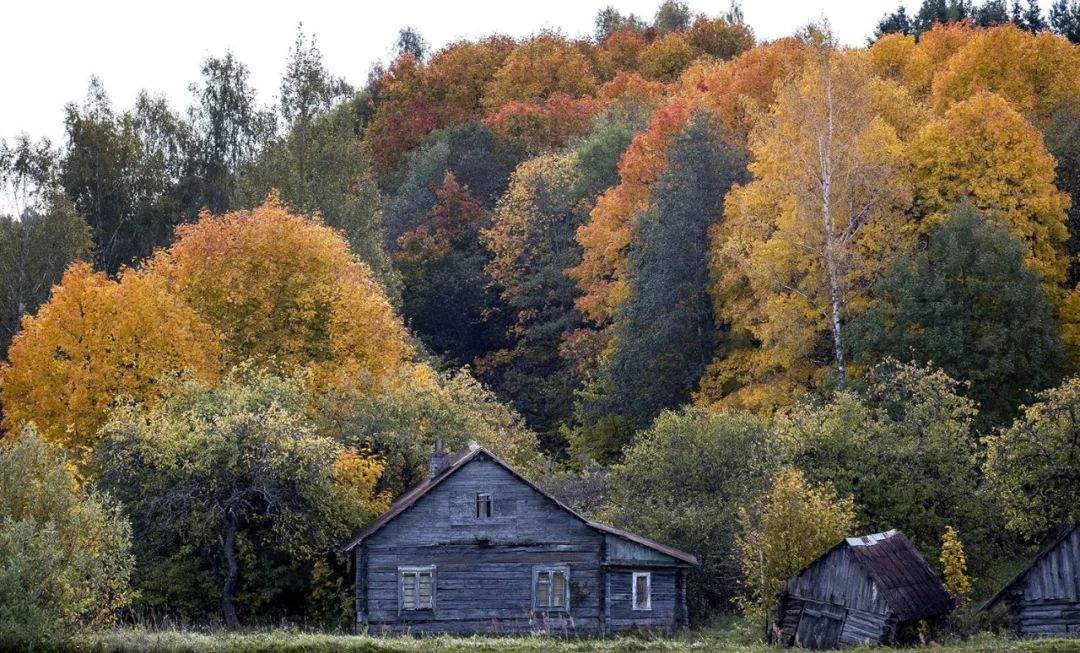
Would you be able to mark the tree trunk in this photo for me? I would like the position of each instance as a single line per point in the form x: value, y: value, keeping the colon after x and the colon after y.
x: 832, y: 243
x: 232, y: 571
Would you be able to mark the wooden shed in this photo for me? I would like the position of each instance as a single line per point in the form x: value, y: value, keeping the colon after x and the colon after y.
x: 864, y: 590
x: 1044, y: 598
x: 477, y: 548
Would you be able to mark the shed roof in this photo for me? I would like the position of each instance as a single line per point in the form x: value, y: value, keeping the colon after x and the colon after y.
x: 457, y: 462
x: 996, y: 598
x: 896, y: 567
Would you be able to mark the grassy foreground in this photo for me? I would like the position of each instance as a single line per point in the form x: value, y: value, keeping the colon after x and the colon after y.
x: 728, y: 635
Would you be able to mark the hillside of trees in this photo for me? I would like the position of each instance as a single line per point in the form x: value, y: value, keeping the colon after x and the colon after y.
x: 723, y: 292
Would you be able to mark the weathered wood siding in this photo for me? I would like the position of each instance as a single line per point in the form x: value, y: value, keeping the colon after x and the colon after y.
x: 484, y: 569
x: 621, y: 614
x: 834, y: 603
x: 1047, y: 602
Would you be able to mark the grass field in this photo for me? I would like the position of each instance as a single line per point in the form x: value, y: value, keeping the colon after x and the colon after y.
x: 730, y: 635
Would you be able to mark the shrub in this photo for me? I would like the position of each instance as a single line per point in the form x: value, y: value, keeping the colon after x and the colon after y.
x: 65, y: 550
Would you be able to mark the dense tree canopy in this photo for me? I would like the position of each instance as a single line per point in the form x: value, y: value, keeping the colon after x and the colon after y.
x: 968, y: 304
x: 215, y: 466
x: 903, y: 447
x: 1032, y: 465
x: 668, y: 489
x: 836, y: 274
x: 799, y: 241
x: 286, y: 291
x: 93, y: 341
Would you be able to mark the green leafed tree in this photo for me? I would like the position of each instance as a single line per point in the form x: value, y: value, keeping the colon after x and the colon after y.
x: 683, y: 481
x: 402, y: 424
x: 228, y: 131
x: 1033, y: 466
x: 666, y: 334
x: 532, y: 244
x: 1065, y: 19
x: 65, y: 549
x: 785, y: 529
x: 319, y: 163
x: 41, y: 240
x: 231, y: 473
x: 447, y: 299
x: 128, y: 173
x: 446, y: 295
x: 672, y: 16
x: 968, y: 304
x: 903, y: 446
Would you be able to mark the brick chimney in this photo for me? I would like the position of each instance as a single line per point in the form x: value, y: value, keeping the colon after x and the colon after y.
x: 438, y: 460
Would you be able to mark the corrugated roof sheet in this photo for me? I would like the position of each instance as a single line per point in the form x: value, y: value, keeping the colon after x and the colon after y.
x: 901, y: 574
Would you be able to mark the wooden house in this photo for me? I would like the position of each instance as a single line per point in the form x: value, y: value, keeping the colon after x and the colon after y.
x: 864, y: 590
x: 1044, y: 598
x: 477, y: 548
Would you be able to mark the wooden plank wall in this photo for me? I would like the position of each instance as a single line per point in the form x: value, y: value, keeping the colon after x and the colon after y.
x: 484, y: 568
x: 838, y: 579
x: 620, y: 600
x: 837, y: 583
x: 1049, y: 603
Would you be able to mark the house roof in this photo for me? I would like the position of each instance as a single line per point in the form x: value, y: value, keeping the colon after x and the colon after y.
x: 900, y: 573
x: 996, y: 598
x: 460, y: 460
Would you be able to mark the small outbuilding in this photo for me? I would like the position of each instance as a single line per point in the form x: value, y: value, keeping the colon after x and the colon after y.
x: 1044, y: 598
x: 478, y: 548
x: 865, y: 590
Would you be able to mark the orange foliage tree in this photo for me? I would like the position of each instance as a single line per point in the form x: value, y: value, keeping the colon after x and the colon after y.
x: 734, y: 93
x: 415, y: 98
x: 284, y: 289
x: 404, y: 115
x: 538, y: 68
x: 93, y: 341
x: 621, y: 51
x: 535, y: 126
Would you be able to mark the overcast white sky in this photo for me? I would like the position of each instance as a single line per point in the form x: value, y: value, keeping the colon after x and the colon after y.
x: 49, y: 49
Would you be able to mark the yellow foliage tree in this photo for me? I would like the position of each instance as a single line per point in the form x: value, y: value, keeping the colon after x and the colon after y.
x: 934, y: 50
x: 735, y: 93
x: 982, y: 150
x: 790, y: 526
x: 953, y: 562
x: 1034, y: 72
x: 801, y: 240
x: 284, y: 289
x: 666, y: 57
x: 97, y: 339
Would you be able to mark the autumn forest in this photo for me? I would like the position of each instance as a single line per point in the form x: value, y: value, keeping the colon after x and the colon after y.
x: 744, y: 297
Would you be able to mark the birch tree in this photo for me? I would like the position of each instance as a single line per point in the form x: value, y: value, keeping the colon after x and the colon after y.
x: 802, y: 238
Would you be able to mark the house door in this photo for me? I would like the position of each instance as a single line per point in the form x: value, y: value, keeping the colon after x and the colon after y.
x: 819, y: 627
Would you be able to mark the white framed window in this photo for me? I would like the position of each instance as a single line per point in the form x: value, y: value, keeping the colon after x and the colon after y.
x: 551, y: 587
x: 483, y: 505
x: 641, y: 587
x: 416, y: 588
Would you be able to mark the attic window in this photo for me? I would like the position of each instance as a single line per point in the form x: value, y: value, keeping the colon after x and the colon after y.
x: 483, y: 506
x: 551, y: 588
x: 417, y: 588
x: 642, y: 590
